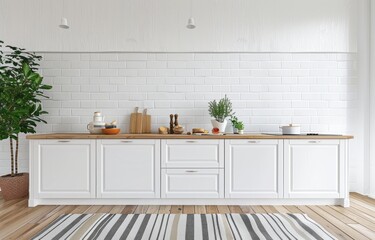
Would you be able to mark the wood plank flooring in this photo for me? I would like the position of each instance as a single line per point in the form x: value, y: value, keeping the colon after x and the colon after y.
x: 17, y: 221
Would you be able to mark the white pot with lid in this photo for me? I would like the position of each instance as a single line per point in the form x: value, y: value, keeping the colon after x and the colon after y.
x: 291, y: 129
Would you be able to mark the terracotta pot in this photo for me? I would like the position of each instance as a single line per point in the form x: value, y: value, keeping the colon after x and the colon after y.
x: 14, y: 187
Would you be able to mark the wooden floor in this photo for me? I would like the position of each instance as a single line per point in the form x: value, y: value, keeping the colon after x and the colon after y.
x: 17, y: 221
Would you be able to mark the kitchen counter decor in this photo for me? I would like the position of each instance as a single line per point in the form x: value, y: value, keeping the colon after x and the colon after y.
x: 220, y: 111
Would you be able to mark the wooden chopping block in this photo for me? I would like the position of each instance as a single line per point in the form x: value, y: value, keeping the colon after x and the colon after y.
x: 133, y: 121
x: 139, y: 120
x: 146, y: 122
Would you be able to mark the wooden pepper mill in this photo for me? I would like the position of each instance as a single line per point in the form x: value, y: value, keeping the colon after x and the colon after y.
x: 171, y: 124
x: 176, y: 120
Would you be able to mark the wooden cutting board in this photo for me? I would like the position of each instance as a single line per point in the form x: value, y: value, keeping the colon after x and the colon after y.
x: 146, y: 122
x: 139, y: 119
x: 135, y: 125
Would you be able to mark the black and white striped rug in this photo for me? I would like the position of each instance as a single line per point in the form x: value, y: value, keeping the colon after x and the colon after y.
x: 184, y: 226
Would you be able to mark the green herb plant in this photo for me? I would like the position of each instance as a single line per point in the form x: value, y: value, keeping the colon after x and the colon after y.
x: 220, y: 110
x: 239, y: 125
x: 21, y: 91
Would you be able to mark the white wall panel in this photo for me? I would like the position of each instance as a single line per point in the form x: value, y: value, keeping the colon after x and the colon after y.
x: 159, y: 25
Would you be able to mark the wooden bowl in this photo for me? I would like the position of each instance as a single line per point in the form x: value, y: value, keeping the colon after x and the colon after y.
x: 111, y: 131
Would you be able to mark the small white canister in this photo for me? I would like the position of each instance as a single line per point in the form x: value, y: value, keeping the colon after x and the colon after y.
x: 291, y: 129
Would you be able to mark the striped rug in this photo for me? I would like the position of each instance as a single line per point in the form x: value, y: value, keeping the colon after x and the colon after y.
x: 184, y: 226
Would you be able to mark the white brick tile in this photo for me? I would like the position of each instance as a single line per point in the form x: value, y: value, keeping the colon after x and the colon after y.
x: 135, y: 64
x: 136, y: 80
x: 99, y: 64
x: 108, y: 72
x: 70, y: 88
x: 203, y: 88
x: 162, y: 104
x: 71, y: 56
x: 80, y: 96
x: 156, y: 64
x: 99, y: 96
x: 52, y: 72
x: 270, y: 65
x: 175, y: 81
x: 70, y: 104
x: 88, y: 104
x: 116, y: 65
x: 164, y: 72
x: 203, y: 72
x: 79, y: 64
x: 108, y: 57
x: 106, y: 104
x: 177, y: 64
x: 128, y: 72
x: 89, y: 72
x: 108, y: 88
x: 184, y: 72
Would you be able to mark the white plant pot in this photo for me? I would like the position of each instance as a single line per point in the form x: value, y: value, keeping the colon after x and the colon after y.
x: 235, y: 130
x: 219, y: 125
x: 240, y: 131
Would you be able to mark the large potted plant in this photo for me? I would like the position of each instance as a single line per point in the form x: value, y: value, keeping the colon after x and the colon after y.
x: 220, y: 111
x: 21, y: 91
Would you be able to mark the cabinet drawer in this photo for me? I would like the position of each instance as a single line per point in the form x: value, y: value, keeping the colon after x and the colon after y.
x: 192, y: 183
x: 192, y: 153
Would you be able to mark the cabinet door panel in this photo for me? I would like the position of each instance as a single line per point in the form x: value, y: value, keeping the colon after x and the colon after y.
x: 192, y: 183
x: 128, y: 169
x: 253, y: 169
x: 192, y: 153
x: 66, y: 169
x: 312, y: 168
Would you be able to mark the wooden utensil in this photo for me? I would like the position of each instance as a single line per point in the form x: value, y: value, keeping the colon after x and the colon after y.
x: 134, y: 121
x: 146, y: 123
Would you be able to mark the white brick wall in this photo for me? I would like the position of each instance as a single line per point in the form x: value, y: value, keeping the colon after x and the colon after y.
x: 267, y: 90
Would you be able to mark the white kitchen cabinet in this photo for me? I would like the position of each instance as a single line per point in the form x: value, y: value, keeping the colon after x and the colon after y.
x: 128, y: 168
x: 192, y: 183
x: 314, y: 169
x: 253, y: 169
x: 192, y: 153
x: 63, y: 169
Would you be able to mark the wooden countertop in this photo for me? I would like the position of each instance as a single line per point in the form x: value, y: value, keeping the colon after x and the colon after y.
x: 180, y: 136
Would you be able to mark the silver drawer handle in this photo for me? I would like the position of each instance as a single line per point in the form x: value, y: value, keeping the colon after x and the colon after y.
x: 253, y: 141
x: 64, y: 141
x: 127, y: 141
x: 191, y: 141
x: 191, y: 171
x: 314, y: 141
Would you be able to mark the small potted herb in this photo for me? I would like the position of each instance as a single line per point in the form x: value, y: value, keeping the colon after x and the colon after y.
x: 240, y: 126
x: 234, y: 120
x: 220, y: 111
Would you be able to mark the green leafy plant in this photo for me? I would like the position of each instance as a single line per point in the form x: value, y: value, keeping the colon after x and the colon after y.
x: 239, y: 125
x: 220, y: 110
x: 21, y: 91
x: 233, y: 119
